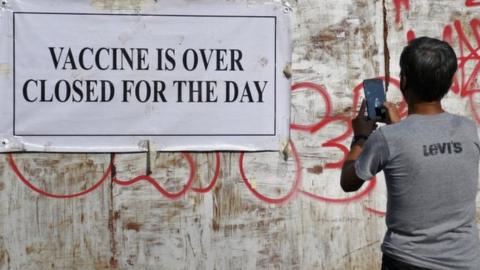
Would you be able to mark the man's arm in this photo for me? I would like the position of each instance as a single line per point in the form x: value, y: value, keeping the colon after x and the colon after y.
x: 349, y: 179
x: 362, y: 128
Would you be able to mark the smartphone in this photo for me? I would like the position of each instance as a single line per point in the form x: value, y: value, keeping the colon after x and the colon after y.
x: 375, y: 96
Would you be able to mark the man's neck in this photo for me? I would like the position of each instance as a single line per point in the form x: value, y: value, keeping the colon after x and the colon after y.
x: 427, y: 108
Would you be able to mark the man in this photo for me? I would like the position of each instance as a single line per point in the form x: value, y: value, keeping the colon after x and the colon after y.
x: 430, y: 161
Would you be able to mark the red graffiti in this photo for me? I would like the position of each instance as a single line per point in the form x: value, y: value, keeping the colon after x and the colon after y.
x: 410, y: 35
x: 332, y: 143
x: 374, y: 211
x: 472, y: 3
x: 159, y: 188
x: 328, y: 107
x: 464, y: 83
x: 214, y: 179
x: 398, y: 8
x: 327, y: 118
x: 293, y: 190
x: 108, y: 172
x: 28, y: 183
x: 336, y: 142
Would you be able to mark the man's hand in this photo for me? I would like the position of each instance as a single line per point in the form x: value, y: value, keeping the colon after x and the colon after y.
x: 360, y: 124
x: 393, y: 116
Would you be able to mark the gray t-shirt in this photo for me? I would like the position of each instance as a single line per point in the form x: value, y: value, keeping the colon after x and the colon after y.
x: 431, y: 169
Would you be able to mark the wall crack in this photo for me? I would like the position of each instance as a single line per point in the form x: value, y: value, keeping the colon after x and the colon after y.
x: 386, y: 51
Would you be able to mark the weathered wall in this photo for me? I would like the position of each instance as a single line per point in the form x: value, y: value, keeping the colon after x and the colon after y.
x: 234, y: 211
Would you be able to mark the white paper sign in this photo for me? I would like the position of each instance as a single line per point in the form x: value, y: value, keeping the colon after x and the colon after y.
x: 201, y: 78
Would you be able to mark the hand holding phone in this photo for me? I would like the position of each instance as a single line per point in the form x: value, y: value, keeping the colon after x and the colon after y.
x: 362, y: 127
x: 393, y: 115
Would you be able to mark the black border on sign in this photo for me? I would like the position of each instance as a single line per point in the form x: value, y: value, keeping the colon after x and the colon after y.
x: 151, y: 15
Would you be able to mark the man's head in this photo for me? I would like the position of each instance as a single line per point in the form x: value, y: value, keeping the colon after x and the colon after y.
x: 427, y: 69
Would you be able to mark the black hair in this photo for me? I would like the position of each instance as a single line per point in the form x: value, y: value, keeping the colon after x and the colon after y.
x: 428, y: 65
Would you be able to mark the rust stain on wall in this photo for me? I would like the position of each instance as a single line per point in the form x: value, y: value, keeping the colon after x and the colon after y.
x: 216, y: 209
x: 386, y: 51
x: 318, y: 169
x: 62, y: 224
x: 3, y: 257
x: 133, y: 226
x: 370, y: 49
x: 29, y: 250
x: 101, y: 266
x: 328, y: 37
x: 112, y: 218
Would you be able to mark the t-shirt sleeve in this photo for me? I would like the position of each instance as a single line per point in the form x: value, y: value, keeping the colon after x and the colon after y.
x: 374, y: 156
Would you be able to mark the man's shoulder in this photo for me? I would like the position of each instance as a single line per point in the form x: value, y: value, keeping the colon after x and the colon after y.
x: 462, y: 122
x: 460, y: 118
x: 465, y: 120
x: 412, y: 128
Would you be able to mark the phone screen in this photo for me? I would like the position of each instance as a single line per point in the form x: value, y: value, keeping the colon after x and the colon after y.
x: 375, y: 96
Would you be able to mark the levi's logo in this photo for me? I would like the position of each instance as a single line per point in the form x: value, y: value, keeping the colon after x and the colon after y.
x: 442, y: 148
